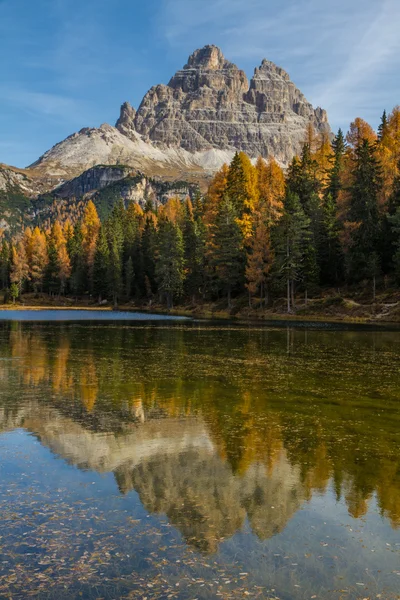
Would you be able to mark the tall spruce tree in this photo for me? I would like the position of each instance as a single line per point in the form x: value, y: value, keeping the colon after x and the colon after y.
x: 101, y: 266
x: 291, y: 241
x: 170, y: 261
x: 228, y: 255
x: 194, y: 244
x: 363, y: 252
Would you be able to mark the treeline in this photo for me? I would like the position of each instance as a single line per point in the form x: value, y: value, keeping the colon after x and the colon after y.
x: 332, y: 219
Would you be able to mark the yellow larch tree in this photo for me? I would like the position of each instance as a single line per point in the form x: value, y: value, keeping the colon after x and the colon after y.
x: 215, y: 194
x: 90, y: 231
x: 38, y: 257
x: 271, y: 188
x: 260, y: 257
x: 360, y: 130
x: 59, y: 242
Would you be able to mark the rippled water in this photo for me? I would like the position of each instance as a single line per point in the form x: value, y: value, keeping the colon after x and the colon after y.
x: 184, y: 460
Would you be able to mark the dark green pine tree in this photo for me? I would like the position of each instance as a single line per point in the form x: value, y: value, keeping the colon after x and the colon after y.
x: 148, y: 250
x: 228, y: 255
x: 302, y: 179
x: 295, y: 255
x: 363, y: 256
x: 101, y: 266
x: 236, y: 184
x: 170, y: 261
x: 115, y: 269
x: 383, y: 126
x: 394, y: 221
x: 5, y: 265
x: 331, y: 255
x: 79, y: 280
x: 334, y: 184
x: 389, y: 236
x: 194, y: 244
x: 129, y: 277
x: 132, y: 241
x: 51, y: 281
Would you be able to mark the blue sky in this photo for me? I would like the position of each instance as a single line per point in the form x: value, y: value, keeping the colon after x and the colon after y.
x: 68, y: 64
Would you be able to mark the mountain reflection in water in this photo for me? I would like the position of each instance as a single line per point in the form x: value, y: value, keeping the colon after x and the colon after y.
x: 253, y: 435
x: 157, y: 455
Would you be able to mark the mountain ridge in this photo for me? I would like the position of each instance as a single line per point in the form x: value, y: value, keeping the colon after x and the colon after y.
x: 184, y: 130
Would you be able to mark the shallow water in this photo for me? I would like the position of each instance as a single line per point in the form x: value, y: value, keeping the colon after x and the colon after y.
x: 59, y: 314
x: 182, y: 460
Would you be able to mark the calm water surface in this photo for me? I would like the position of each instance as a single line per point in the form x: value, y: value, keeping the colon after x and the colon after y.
x: 161, y: 459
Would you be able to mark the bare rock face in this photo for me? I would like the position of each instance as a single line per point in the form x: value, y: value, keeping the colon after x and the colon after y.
x: 125, y: 123
x: 210, y: 104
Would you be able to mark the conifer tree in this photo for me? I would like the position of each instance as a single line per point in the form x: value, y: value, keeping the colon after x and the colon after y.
x: 148, y: 252
x: 260, y: 258
x: 364, y: 214
x: 291, y: 243
x: 115, y: 270
x: 5, y: 264
x: 271, y: 188
x: 129, y: 277
x: 335, y: 174
x: 241, y: 188
x: 194, y: 251
x: 90, y: 229
x: 389, y: 231
x: 395, y: 236
x: 228, y: 254
x: 101, y: 266
x: 78, y: 264
x: 38, y: 258
x: 383, y: 127
x: 359, y: 132
x: 170, y: 261
x: 19, y: 266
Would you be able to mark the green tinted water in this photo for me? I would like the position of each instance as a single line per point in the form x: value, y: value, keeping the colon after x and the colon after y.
x: 186, y: 460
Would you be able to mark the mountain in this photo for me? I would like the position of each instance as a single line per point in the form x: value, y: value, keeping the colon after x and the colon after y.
x: 210, y: 104
x: 184, y: 130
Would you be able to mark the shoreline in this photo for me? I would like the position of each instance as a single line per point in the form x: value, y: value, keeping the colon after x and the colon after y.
x: 206, y: 313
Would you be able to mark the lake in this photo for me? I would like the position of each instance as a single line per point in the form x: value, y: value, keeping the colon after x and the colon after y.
x: 151, y: 458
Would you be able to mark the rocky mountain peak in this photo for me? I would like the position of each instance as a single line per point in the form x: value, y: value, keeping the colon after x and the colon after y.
x: 210, y: 104
x: 125, y: 123
x: 210, y: 57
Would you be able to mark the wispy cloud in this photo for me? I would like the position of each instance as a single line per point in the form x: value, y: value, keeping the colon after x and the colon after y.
x: 335, y: 51
x: 41, y: 103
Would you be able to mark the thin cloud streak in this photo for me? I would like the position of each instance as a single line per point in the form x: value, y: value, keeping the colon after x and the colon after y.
x: 335, y: 52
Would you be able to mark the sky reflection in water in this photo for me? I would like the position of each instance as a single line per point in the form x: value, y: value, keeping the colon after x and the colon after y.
x: 190, y: 461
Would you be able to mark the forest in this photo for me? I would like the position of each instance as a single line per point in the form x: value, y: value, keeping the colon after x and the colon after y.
x: 332, y: 219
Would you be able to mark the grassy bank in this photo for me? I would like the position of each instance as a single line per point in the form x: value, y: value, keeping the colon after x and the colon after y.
x: 352, y: 308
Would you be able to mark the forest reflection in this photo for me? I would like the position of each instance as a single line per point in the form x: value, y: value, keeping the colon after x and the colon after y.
x: 213, y: 426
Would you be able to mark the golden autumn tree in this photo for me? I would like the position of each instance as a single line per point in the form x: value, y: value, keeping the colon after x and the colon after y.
x: 38, y: 258
x: 172, y: 210
x: 360, y: 130
x: 90, y: 232
x: 260, y: 257
x: 242, y: 190
x: 323, y: 157
x: 271, y: 188
x: 215, y: 194
x: 59, y: 268
x: 19, y: 266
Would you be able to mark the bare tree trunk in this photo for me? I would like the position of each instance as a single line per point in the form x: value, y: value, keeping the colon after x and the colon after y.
x: 374, y: 288
x: 229, y: 297
x: 288, y: 295
x: 305, y: 298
